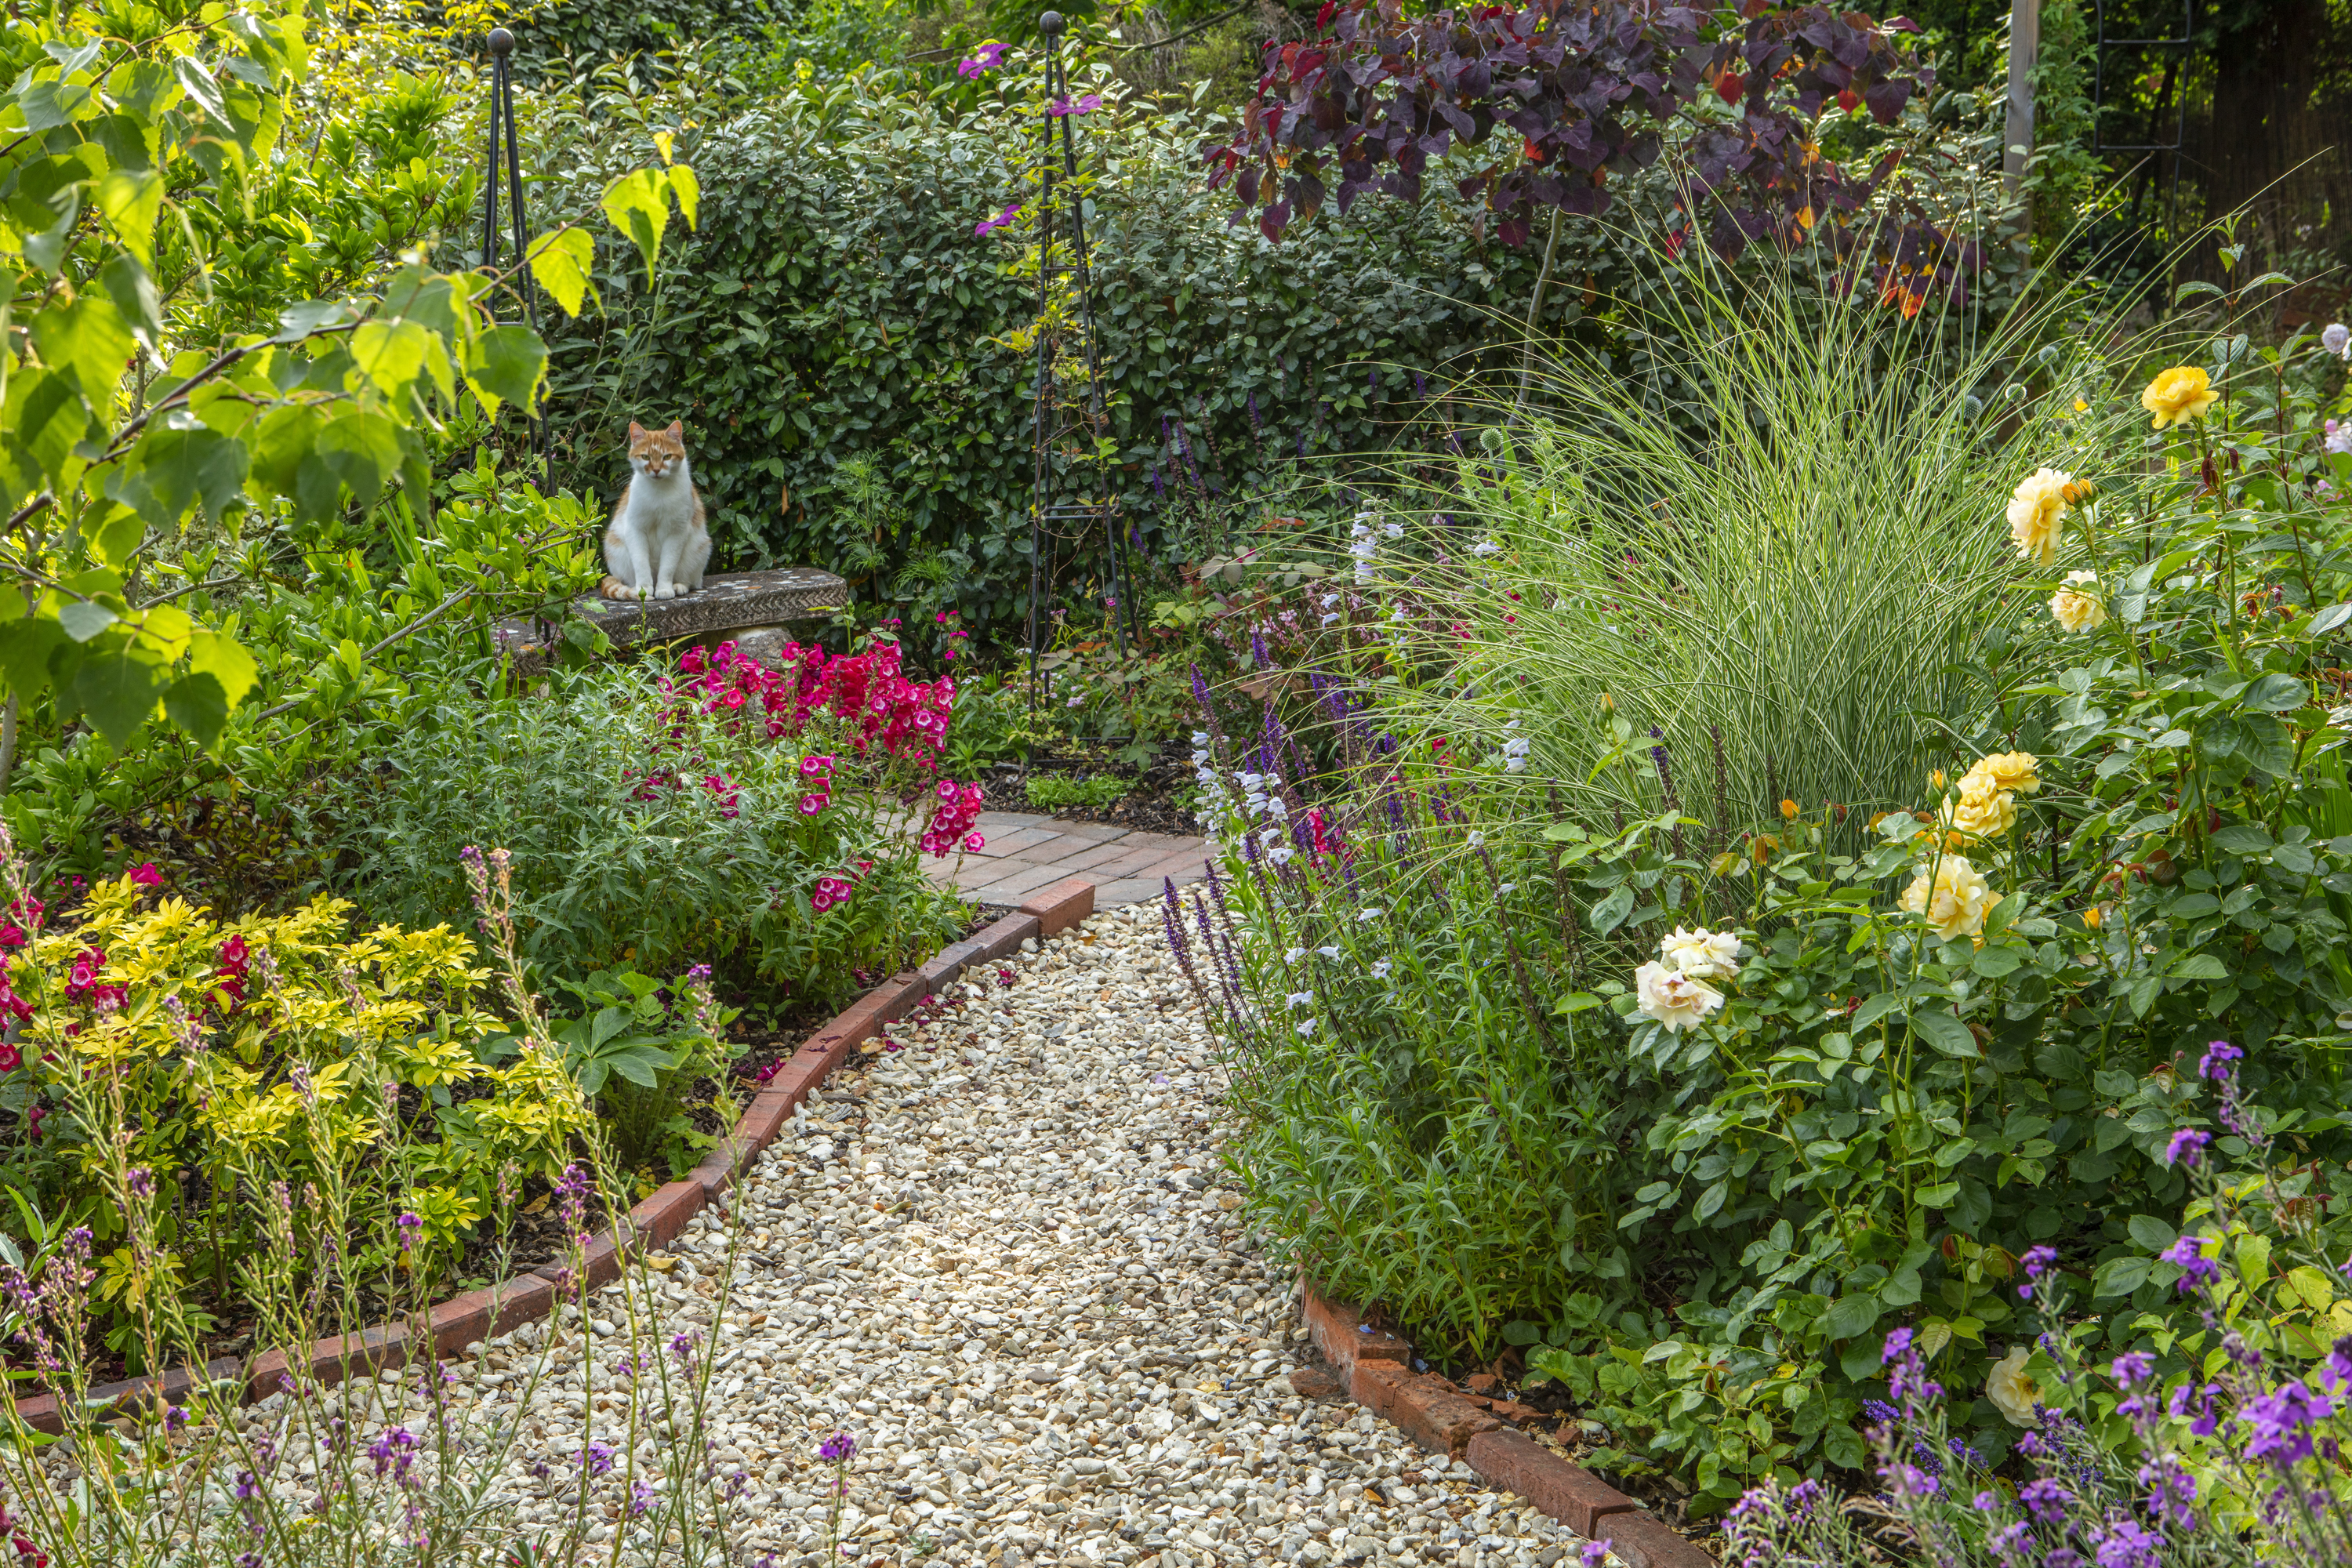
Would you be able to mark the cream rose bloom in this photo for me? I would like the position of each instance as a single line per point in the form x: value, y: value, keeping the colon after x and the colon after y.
x: 1674, y: 998
x: 2012, y: 771
x: 1954, y: 897
x: 2011, y: 1392
x: 2076, y: 610
x: 1984, y: 810
x: 1702, y: 954
x: 2035, y: 511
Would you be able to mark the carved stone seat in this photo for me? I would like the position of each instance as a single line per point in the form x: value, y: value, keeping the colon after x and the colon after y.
x: 728, y: 605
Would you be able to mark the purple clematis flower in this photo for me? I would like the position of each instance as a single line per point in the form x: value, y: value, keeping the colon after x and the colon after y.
x: 1002, y: 220
x: 987, y: 59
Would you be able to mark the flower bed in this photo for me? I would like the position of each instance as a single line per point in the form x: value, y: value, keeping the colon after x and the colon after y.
x: 498, y: 1308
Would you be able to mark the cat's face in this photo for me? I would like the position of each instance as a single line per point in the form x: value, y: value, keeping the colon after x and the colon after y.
x: 654, y: 453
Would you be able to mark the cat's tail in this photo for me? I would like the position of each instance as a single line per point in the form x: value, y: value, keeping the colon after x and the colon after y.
x: 613, y: 588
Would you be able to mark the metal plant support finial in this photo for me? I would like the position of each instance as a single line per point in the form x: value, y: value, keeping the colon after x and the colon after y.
x: 1078, y: 514
x: 502, y: 122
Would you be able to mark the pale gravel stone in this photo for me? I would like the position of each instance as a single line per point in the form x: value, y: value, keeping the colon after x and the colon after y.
x: 1004, y: 1256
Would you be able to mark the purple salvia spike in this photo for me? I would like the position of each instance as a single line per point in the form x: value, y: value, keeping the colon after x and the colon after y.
x: 1419, y: 385
x: 1257, y: 648
x: 1200, y: 690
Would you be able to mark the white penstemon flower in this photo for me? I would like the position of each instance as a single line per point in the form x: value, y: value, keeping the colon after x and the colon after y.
x: 1329, y: 952
x: 1293, y: 955
x: 1298, y: 999
x: 1380, y: 969
x: 1486, y: 547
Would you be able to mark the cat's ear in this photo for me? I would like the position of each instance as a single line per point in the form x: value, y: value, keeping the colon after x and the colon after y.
x: 676, y: 431
x: 636, y: 432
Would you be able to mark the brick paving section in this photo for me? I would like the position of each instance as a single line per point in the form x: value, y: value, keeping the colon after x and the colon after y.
x: 1026, y: 851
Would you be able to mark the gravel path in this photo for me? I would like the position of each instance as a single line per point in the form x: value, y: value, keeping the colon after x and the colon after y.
x: 1001, y: 1256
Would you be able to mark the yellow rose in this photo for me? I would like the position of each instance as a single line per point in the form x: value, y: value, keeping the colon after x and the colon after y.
x: 2075, y: 610
x: 1983, y: 811
x: 2011, y: 771
x: 2034, y: 513
x: 2184, y: 392
x: 1954, y: 897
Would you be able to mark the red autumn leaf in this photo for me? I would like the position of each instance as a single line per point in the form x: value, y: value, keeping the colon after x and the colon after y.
x: 1730, y: 86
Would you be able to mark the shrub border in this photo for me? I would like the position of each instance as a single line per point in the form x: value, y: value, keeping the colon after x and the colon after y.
x: 1375, y: 1368
x: 654, y: 1222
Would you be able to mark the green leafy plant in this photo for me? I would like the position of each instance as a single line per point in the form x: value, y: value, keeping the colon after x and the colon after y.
x: 1052, y: 792
x: 639, y: 1054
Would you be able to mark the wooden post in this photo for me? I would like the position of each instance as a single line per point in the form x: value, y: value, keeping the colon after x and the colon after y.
x: 2016, y: 138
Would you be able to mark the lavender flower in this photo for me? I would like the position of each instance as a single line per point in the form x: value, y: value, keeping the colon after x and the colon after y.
x: 2186, y: 1147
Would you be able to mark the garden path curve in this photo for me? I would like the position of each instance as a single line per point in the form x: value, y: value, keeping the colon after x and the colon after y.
x: 1024, y: 852
x: 1000, y: 1250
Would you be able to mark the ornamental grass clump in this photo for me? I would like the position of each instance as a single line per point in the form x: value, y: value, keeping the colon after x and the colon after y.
x: 1777, y: 552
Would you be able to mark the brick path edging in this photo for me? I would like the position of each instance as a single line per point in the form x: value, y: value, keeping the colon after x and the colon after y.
x: 1375, y: 1368
x: 654, y: 1222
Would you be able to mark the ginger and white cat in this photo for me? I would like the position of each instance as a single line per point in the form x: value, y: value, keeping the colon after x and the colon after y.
x: 657, y: 545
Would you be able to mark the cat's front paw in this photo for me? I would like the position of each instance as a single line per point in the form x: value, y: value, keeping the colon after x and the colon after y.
x: 666, y: 591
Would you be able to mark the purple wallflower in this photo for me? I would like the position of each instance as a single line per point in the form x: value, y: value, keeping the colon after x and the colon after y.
x: 2215, y: 1064
x: 2045, y: 1498
x: 2187, y: 1146
x: 2131, y: 1368
x: 641, y: 1498
x: 2280, y: 1423
x: 2126, y: 1545
x: 597, y: 1458
x: 839, y: 1448
x: 2188, y: 1254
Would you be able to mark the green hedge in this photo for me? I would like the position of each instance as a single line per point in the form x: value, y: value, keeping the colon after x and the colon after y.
x: 834, y: 305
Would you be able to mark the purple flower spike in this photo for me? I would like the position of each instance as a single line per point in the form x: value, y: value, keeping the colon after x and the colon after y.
x: 838, y: 1449
x: 2215, y: 1064
x: 2186, y: 1147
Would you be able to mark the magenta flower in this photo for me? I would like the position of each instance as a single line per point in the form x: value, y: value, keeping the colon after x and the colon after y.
x: 974, y: 842
x: 987, y: 59
x: 1061, y: 106
x: 145, y: 875
x: 1002, y: 220
x: 812, y: 802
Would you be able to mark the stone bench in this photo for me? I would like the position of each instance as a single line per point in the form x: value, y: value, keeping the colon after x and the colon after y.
x: 739, y: 606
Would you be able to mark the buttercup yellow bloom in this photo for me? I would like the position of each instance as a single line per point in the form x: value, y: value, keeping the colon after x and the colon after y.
x: 2035, y: 510
x: 2184, y: 392
x: 2011, y: 771
x: 2076, y: 610
x: 1954, y: 897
